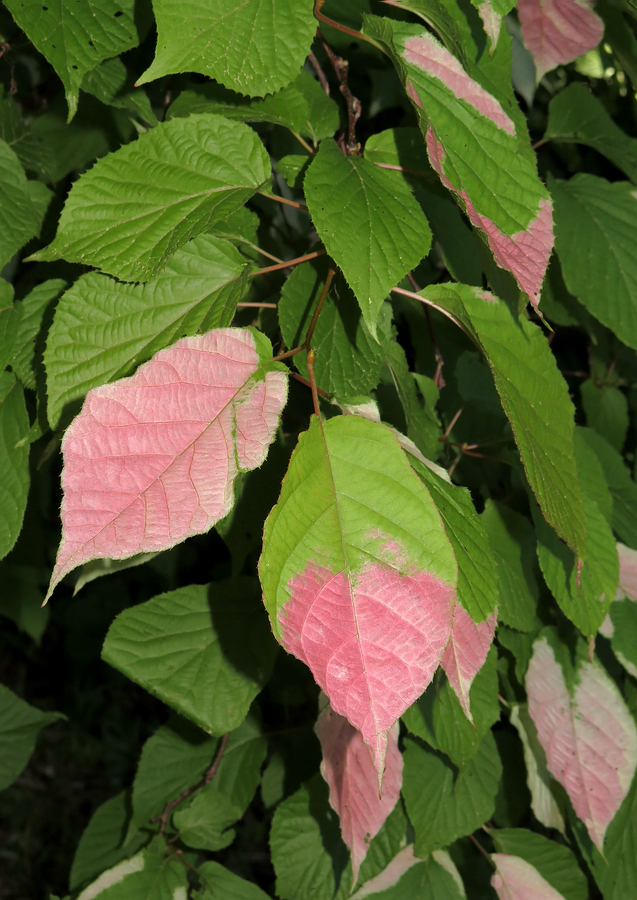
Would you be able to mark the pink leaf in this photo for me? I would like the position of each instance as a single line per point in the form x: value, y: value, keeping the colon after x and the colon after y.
x: 390, y: 875
x: 558, y: 31
x: 627, y: 572
x: 348, y: 768
x: 525, y: 254
x: 466, y: 652
x: 151, y: 459
x: 516, y: 879
x: 590, y: 741
x: 373, y: 642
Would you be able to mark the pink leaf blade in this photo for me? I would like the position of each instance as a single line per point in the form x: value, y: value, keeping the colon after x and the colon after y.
x: 590, y: 740
x: 466, y: 652
x: 151, y: 459
x: 627, y: 571
x: 556, y: 32
x: 516, y: 879
x: 349, y: 770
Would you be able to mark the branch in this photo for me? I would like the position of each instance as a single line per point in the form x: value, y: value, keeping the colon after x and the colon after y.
x: 341, y: 67
x: 285, y: 264
x: 319, y: 71
x: 285, y: 201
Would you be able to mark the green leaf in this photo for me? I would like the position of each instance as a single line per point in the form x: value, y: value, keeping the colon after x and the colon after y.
x: 623, y: 614
x: 577, y: 116
x: 349, y: 195
x: 190, y: 649
x: 426, y: 879
x: 293, y: 168
x: 21, y: 598
x: 622, y: 487
x: 205, y: 822
x: 132, y: 211
x: 8, y: 323
x: 583, y: 596
x: 18, y: 216
x: 103, y: 329
x: 101, y: 844
x: 14, y: 460
x: 348, y: 359
x: 512, y: 544
x: 30, y: 313
x: 308, y: 853
x: 443, y: 802
x: 77, y: 36
x: 155, y: 873
x: 606, y: 409
x: 591, y: 475
x: 111, y: 83
x: 173, y: 759
x: 534, y: 396
x: 616, y: 871
x: 249, y: 46
x: 438, y: 718
x: 555, y: 862
x: 596, y: 241
x: 477, y: 573
x: 219, y: 882
x: 20, y: 725
x: 423, y: 426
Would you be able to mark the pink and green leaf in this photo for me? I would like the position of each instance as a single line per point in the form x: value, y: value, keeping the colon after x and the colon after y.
x: 466, y: 652
x: 556, y: 32
x: 516, y: 879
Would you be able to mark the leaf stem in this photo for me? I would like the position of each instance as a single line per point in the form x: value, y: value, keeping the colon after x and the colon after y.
x: 326, y: 287
x: 309, y: 384
x: 258, y: 305
x: 438, y: 378
x: 310, y: 369
x: 304, y: 143
x: 441, y: 309
x: 322, y: 77
x: 318, y: 5
x: 285, y: 201
x: 285, y: 264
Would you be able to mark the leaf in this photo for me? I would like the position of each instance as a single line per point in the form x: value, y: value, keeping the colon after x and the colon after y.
x: 622, y: 487
x: 473, y: 146
x: 606, y: 409
x: 595, y: 238
x: 14, y: 460
x: 466, y: 652
x: 135, y: 208
x: 100, y: 846
x: 30, y: 313
x: 20, y: 725
x: 445, y: 803
x: 75, y: 37
x: 21, y: 597
x: 150, y: 875
x: 423, y: 426
x: 348, y: 194
x: 251, y: 47
x: 534, y: 396
x: 102, y: 328
x: 171, y: 428
x: 111, y: 83
x: 558, y: 31
x: 516, y: 879
x: 555, y: 862
x: 512, y: 544
x: 542, y: 787
x: 584, y: 594
x: 189, y: 648
x: 591, y: 475
x: 435, y: 878
x: 219, y: 882
x: 173, y: 759
x: 577, y: 116
x: 623, y: 615
x: 589, y: 737
x: 615, y: 872
x: 205, y: 823
x: 348, y: 359
x: 348, y: 769
x: 477, y: 575
x: 355, y: 537
x: 438, y: 718
x: 492, y: 13
x: 18, y: 221
x: 308, y: 853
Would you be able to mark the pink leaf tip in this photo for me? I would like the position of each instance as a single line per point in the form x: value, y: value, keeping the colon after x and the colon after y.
x: 556, y: 32
x: 466, y: 652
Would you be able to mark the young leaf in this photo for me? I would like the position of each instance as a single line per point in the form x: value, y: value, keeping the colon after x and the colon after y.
x: 14, y: 460
x: 20, y: 725
x: 558, y: 31
x: 190, y: 649
x: 595, y: 238
x: 348, y: 194
x: 589, y: 738
x: 102, y: 328
x: 534, y: 396
x: 135, y: 208
x: 555, y: 862
x: 248, y: 46
x: 357, y: 573
x: 473, y: 146
x: 151, y: 459
x: 348, y: 769
x: 466, y: 652
x: 443, y: 803
x: 76, y: 36
x: 516, y: 879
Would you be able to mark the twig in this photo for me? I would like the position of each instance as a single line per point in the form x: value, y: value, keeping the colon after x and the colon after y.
x: 326, y: 287
x: 310, y: 369
x: 309, y: 384
x: 438, y: 378
x: 341, y: 67
x: 319, y: 71
x: 318, y: 5
x: 285, y: 264
x: 481, y: 849
x: 285, y: 201
x: 304, y: 143
x: 539, y: 143
x: 441, y: 309
x: 210, y: 774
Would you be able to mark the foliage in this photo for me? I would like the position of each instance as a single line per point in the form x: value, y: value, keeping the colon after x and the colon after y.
x: 328, y: 336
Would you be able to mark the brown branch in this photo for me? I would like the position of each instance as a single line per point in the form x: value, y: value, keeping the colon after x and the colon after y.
x: 210, y: 774
x: 341, y: 67
x: 318, y: 5
x: 309, y: 384
x: 310, y: 369
x: 319, y: 71
x: 288, y: 263
x: 319, y: 306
